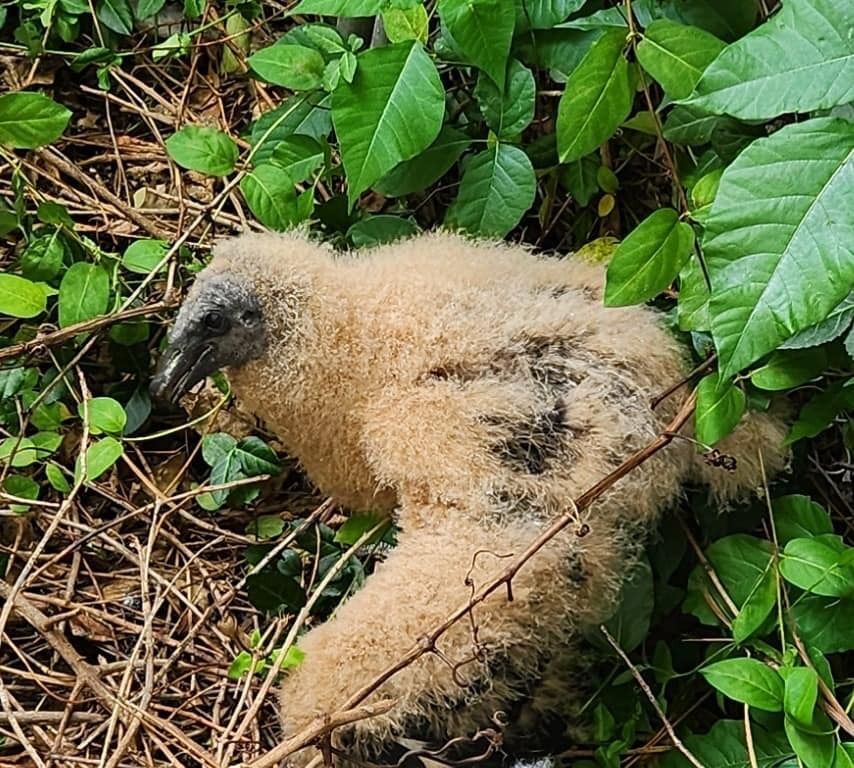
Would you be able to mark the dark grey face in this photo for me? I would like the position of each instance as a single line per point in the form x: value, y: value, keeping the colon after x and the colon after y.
x: 220, y: 325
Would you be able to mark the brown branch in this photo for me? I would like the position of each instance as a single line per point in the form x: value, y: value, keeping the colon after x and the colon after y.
x: 52, y: 338
x: 677, y: 742
x: 427, y: 642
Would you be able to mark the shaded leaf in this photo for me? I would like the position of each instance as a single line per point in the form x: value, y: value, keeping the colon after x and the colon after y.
x: 724, y: 747
x: 798, y: 517
x: 787, y: 369
x: 801, y: 694
x: 115, y: 15
x: 257, y: 458
x: 375, y: 230
x: 510, y: 111
x: 483, y: 31
x: 825, y: 623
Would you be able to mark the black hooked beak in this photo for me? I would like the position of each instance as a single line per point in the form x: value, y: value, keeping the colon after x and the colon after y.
x: 180, y: 368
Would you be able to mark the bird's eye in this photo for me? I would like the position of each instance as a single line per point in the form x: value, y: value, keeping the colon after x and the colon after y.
x: 216, y: 322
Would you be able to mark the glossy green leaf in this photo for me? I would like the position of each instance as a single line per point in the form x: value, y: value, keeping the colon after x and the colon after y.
x: 203, y: 149
x: 510, y: 111
x: 801, y: 694
x: 747, y: 680
x: 292, y: 66
x: 676, y: 55
x: 832, y: 327
x: 781, y: 262
x: 720, y: 406
x: 800, y: 60
x: 306, y: 115
x: 426, y: 168
x: 340, y: 7
x: 20, y: 297
x: 29, y: 120
x: 84, y: 293
x: 497, y: 188
x: 143, y: 256
x: 789, y: 368
x: 757, y: 606
x: 597, y: 98
x: 692, y: 311
x: 483, y: 31
x: 103, y: 415
x: 821, y: 565
x: 797, y: 517
x: 648, y: 260
x: 545, y: 14
x: 271, y: 196
x: 391, y: 112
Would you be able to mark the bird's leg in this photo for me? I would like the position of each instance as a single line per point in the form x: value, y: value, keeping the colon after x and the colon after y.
x: 483, y: 662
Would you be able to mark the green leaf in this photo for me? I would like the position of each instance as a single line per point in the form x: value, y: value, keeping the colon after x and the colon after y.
x: 781, y: 262
x: 801, y: 694
x: 142, y: 256
x: 402, y: 24
x: 758, y: 605
x: 545, y: 14
x: 57, y: 479
x: 798, y: 517
x: 376, y: 230
x: 597, y: 98
x: 819, y: 565
x: 787, y: 369
x: 426, y: 168
x: 146, y: 9
x: 18, y: 451
x: 20, y: 297
x: 359, y: 524
x: 742, y: 563
x: 271, y: 590
x: 257, y: 458
x: 100, y: 456
x: 799, y: 60
x: 832, y: 327
x: 818, y: 414
x: 483, y: 31
x: 104, y: 415
x: 216, y: 447
x: 825, y: 623
x: 271, y: 196
x: 306, y: 115
x: 648, y: 260
x: 42, y: 259
x: 24, y: 487
x: 29, y: 120
x: 225, y: 470
x: 692, y: 311
x: 391, y: 111
x: 580, y: 178
x: 299, y: 156
x: 292, y: 66
x: 324, y: 39
x: 724, y: 747
x: 115, y: 15
x: 498, y: 186
x: 266, y: 526
x: 746, y: 680
x: 816, y: 745
x: 84, y: 293
x: 676, y: 55
x: 340, y: 7
x: 629, y: 624
x: 508, y: 113
x: 203, y: 149
x: 720, y: 406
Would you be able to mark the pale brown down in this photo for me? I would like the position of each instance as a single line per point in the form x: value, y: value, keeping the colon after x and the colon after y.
x: 473, y: 388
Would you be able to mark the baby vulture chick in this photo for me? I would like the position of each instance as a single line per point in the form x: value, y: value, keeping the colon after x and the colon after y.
x: 472, y: 389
